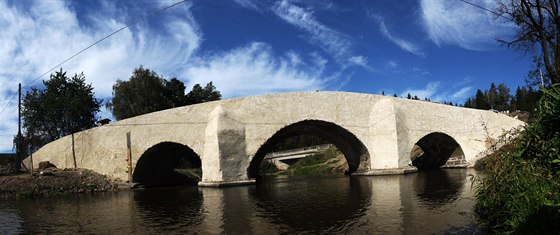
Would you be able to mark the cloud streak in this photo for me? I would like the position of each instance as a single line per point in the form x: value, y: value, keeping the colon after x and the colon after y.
x: 331, y: 41
x: 434, y: 92
x: 403, y: 44
x: 463, y: 25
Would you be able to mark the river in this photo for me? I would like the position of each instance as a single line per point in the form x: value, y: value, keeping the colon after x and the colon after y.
x: 430, y: 202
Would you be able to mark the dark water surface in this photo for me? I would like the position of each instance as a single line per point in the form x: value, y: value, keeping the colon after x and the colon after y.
x: 434, y: 202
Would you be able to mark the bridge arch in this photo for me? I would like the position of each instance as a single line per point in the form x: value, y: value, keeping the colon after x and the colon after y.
x: 435, y: 150
x: 167, y: 163
x: 355, y: 152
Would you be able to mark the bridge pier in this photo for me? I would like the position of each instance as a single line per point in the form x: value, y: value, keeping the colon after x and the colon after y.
x: 224, y: 158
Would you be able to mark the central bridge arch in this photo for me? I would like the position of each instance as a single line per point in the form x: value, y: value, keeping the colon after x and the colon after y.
x: 355, y: 152
x: 435, y: 150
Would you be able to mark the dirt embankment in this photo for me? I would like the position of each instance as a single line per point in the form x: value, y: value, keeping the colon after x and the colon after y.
x: 54, y: 182
x: 521, y: 115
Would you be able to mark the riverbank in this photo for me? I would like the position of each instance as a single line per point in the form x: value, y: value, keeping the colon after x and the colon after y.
x: 54, y: 182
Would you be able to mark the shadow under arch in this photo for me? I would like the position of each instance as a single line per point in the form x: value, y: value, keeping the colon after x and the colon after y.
x: 167, y: 164
x: 354, y: 151
x: 436, y: 150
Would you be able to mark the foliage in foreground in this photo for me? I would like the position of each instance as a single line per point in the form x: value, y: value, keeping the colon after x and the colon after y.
x: 519, y: 194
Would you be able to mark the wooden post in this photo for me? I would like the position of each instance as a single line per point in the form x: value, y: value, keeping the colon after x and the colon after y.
x: 30, y: 148
x: 128, y: 157
x: 74, y: 152
x: 31, y: 160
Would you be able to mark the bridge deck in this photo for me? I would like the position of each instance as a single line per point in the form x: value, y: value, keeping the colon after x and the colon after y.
x: 297, y: 153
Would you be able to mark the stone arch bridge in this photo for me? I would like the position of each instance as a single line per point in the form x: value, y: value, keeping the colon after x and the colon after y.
x: 229, y: 138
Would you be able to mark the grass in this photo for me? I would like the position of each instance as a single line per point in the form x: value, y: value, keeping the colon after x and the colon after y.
x: 315, y: 164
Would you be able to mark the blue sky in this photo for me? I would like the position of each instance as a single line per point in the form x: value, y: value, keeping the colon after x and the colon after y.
x: 438, y: 49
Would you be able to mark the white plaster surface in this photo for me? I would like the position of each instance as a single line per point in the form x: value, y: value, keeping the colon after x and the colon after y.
x: 226, y: 134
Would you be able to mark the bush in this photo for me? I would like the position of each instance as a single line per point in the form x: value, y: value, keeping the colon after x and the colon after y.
x: 267, y: 168
x: 519, y: 193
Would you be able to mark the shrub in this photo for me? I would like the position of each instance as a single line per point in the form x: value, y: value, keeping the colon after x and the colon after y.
x: 519, y: 193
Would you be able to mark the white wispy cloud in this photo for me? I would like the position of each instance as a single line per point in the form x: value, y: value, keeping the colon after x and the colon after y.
x: 392, y: 64
x: 462, y: 93
x: 249, y: 4
x: 435, y: 92
x: 403, y: 44
x: 331, y: 41
x: 254, y: 69
x: 427, y: 92
x: 461, y: 24
x: 37, y: 37
x: 360, y: 61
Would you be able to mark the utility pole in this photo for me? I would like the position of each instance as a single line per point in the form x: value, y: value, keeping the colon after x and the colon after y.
x: 17, y: 163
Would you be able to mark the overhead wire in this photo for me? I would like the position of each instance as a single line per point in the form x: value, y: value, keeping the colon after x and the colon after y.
x: 95, y: 43
x: 485, y: 9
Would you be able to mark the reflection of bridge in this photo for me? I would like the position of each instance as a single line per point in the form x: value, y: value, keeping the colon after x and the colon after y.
x: 278, y: 158
x: 228, y: 139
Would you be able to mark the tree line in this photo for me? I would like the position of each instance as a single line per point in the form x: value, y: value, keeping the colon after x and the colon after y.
x: 499, y: 98
x: 147, y: 92
x: 67, y: 104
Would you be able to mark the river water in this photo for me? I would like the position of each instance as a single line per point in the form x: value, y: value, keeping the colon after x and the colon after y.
x: 431, y: 202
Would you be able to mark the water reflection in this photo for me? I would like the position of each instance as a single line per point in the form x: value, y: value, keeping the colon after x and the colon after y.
x: 438, y: 187
x: 169, y: 209
x: 420, y: 203
x: 10, y: 221
x: 320, y: 205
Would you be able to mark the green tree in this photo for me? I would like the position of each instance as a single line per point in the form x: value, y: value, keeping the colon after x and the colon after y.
x: 469, y: 103
x: 538, y: 22
x: 492, y: 96
x: 504, y: 97
x: 65, y: 106
x: 525, y: 99
x: 145, y: 92
x: 480, y: 101
x: 201, y: 95
x: 176, y: 92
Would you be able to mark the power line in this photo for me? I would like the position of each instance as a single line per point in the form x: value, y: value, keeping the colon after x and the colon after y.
x: 95, y: 43
x: 8, y: 104
x: 486, y: 9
